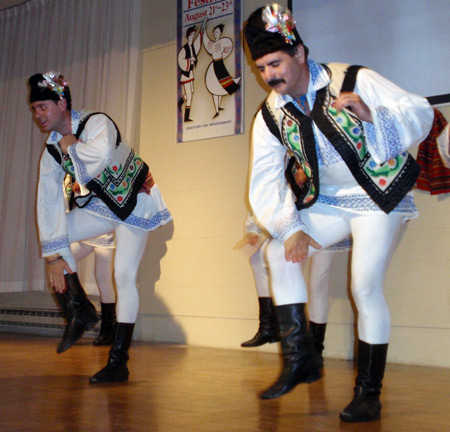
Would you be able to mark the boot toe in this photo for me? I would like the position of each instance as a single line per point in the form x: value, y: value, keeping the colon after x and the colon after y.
x: 289, y: 378
x: 361, y: 410
x: 72, y: 335
x: 276, y: 391
x: 351, y: 418
x: 110, y: 374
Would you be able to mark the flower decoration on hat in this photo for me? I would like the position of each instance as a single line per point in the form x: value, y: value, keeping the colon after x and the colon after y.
x: 279, y: 20
x: 55, y: 82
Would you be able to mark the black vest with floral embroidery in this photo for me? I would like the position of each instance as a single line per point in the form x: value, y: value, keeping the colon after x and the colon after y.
x: 118, y: 184
x: 386, y: 183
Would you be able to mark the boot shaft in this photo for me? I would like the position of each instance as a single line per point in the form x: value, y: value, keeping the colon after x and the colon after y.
x: 267, y: 318
x: 371, y: 365
x: 318, y: 334
x: 122, y: 342
x: 74, y: 288
x: 73, y: 299
x: 108, y: 314
x: 296, y: 342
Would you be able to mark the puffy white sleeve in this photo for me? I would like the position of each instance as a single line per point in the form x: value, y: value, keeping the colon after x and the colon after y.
x: 51, y: 211
x: 94, y: 150
x: 400, y: 119
x: 271, y: 198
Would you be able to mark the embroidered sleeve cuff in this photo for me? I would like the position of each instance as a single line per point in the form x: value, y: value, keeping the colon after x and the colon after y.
x: 80, y: 168
x: 55, y: 246
x: 287, y: 226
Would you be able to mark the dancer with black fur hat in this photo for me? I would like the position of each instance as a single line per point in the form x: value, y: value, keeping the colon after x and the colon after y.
x: 123, y: 199
x: 349, y: 174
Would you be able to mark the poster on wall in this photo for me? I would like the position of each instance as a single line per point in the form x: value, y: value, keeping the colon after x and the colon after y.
x: 209, y: 69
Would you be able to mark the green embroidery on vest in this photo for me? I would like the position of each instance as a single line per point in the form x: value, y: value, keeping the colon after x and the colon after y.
x: 110, y: 178
x: 354, y: 132
x: 352, y: 129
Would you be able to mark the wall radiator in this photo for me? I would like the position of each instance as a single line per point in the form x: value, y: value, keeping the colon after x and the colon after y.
x: 34, y: 321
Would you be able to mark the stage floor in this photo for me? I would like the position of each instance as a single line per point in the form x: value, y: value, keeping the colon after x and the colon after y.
x: 179, y: 388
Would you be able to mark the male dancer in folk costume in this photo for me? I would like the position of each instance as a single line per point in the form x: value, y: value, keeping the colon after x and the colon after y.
x: 123, y: 199
x: 356, y: 179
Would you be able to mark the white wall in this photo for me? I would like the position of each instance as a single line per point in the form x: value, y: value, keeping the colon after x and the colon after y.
x: 205, y: 294
x: 194, y: 287
x: 404, y: 40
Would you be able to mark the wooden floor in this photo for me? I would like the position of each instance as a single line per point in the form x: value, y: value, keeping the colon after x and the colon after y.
x: 176, y: 388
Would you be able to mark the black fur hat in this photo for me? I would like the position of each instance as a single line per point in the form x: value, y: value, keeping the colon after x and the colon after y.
x: 49, y: 86
x: 269, y: 29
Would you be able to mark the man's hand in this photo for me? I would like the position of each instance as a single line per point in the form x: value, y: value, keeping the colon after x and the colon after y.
x: 55, y: 271
x: 66, y: 141
x: 252, y: 238
x: 356, y: 104
x: 297, y: 245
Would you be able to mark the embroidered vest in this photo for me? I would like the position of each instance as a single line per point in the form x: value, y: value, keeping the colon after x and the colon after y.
x: 386, y: 183
x: 118, y: 184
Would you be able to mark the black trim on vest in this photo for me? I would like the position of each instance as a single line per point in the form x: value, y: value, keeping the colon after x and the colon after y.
x: 55, y: 153
x: 310, y: 154
x: 83, y: 122
x: 348, y: 85
x: 270, y: 121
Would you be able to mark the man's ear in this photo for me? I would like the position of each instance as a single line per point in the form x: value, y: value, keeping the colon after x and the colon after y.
x: 300, y: 53
x: 62, y: 104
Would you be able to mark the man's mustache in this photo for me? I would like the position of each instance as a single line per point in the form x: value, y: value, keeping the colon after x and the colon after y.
x: 275, y: 82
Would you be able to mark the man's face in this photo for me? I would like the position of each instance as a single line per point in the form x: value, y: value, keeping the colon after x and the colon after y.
x: 49, y: 115
x: 284, y: 73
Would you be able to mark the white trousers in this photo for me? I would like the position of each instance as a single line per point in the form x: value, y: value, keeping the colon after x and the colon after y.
x: 375, y: 237
x: 103, y: 268
x: 130, y: 247
x: 260, y: 271
x: 319, y: 286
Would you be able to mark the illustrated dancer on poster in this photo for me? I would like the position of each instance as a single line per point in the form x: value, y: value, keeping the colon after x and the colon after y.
x: 187, y: 60
x: 218, y: 81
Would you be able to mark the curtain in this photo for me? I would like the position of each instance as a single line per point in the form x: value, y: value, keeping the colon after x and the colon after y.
x: 95, y: 45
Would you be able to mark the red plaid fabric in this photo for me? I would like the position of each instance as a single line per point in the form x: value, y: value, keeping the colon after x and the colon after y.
x: 434, y: 176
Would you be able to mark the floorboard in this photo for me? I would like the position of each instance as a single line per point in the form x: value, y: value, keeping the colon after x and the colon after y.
x: 179, y: 388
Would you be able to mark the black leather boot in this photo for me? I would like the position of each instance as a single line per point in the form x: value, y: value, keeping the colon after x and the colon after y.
x: 366, y: 405
x: 106, y: 335
x: 267, y: 332
x: 187, y: 112
x: 301, y: 363
x: 318, y: 333
x: 78, y: 311
x: 116, y: 369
